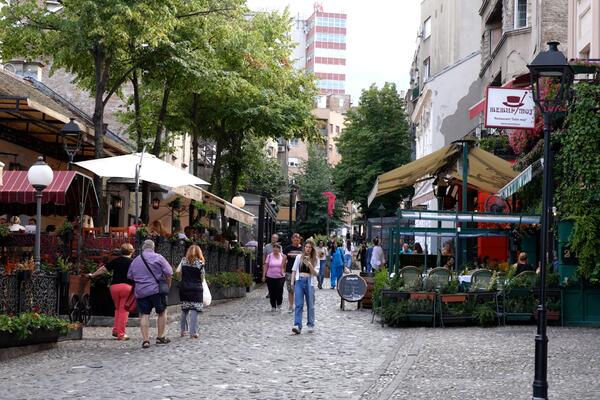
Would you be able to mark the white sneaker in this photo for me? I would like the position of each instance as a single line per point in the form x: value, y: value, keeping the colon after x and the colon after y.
x: 310, y: 329
x: 296, y: 330
x: 273, y: 309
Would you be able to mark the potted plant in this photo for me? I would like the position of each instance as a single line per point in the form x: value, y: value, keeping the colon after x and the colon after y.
x: 30, y: 328
x: 4, y: 233
x: 25, y: 269
x: 65, y: 231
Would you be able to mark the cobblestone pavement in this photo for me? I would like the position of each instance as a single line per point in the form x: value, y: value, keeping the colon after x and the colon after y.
x: 247, y: 352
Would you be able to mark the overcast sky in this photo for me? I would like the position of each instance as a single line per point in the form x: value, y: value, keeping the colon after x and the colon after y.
x: 381, y: 37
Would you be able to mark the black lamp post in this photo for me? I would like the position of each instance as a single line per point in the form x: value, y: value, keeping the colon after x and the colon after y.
x: 549, y: 70
x: 72, y: 139
x: 293, y: 191
x: 381, y: 211
x: 40, y: 175
x: 440, y: 188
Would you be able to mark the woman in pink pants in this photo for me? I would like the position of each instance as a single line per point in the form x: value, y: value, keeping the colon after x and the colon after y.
x: 120, y: 288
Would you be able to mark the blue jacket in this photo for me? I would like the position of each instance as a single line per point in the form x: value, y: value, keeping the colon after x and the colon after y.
x: 337, y: 258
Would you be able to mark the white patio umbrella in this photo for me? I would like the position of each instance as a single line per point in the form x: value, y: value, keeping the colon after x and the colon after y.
x: 152, y: 170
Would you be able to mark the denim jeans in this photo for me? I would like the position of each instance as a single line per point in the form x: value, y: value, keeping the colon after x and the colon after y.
x: 348, y: 259
x: 322, y: 266
x: 336, y: 273
x: 304, y: 291
x: 193, y: 325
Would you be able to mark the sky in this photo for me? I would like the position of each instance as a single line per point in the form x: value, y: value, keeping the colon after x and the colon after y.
x: 381, y: 37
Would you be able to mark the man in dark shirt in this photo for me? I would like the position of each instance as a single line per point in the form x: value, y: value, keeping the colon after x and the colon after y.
x: 291, y: 252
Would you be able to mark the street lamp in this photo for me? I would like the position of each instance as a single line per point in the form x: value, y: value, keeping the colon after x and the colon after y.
x: 440, y: 188
x: 293, y: 191
x: 40, y: 175
x: 72, y: 136
x: 238, y: 201
x: 551, y: 78
x: 381, y: 211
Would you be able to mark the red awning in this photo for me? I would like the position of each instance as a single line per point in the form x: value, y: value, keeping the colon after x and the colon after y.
x: 63, y: 196
x: 16, y: 188
x: 518, y: 82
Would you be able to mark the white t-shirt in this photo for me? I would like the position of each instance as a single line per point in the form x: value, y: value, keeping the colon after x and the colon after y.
x: 377, y: 257
x: 322, y: 250
x: 296, y: 268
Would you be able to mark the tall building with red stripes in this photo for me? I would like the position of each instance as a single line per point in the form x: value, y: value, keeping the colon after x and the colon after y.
x: 322, y: 49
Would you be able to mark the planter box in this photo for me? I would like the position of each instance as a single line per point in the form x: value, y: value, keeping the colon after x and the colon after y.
x: 227, y: 293
x: 581, y: 306
x: 422, y: 296
x: 37, y: 337
x: 453, y: 298
x: 75, y: 334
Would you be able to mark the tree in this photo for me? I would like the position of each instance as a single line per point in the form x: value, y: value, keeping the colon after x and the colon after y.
x: 376, y: 140
x: 314, y: 179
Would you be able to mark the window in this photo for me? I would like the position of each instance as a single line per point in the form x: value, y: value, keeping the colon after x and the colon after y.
x: 520, y: 14
x: 426, y: 69
x: 337, y: 130
x: 294, y: 142
x: 323, y: 131
x: 427, y: 28
x: 293, y: 162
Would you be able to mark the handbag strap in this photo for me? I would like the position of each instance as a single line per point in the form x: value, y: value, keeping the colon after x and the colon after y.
x: 146, y: 264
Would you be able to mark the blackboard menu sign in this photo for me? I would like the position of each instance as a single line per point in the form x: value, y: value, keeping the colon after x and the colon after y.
x: 352, y: 288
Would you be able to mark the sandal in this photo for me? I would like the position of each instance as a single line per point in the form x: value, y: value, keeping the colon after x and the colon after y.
x: 184, y: 334
x: 195, y: 336
x: 145, y: 344
x: 163, y: 340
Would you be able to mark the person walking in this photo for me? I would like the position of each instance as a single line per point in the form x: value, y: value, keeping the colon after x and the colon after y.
x: 348, y: 252
x: 120, y: 288
x: 361, y: 257
x: 269, y: 249
x: 291, y: 251
x: 274, y: 275
x: 146, y: 270
x: 322, y: 254
x: 369, y: 256
x: 337, y: 264
x: 377, y: 256
x: 304, y: 275
x: 191, y: 271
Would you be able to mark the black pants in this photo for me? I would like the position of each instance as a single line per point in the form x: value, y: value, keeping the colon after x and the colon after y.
x: 275, y: 286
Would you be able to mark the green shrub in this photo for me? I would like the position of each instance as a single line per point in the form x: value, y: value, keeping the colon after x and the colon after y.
x: 229, y: 279
x: 485, y: 313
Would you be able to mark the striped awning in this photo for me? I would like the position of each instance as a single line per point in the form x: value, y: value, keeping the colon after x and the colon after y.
x: 16, y: 188
x: 522, y: 179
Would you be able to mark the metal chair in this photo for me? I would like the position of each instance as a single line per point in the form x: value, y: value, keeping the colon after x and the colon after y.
x: 410, y: 274
x: 480, y: 279
x: 439, y: 277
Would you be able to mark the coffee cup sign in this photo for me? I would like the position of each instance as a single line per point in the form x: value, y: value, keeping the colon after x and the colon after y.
x: 352, y: 288
x: 509, y: 108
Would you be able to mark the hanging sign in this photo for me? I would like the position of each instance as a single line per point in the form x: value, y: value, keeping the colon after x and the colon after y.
x: 509, y: 108
x: 352, y: 288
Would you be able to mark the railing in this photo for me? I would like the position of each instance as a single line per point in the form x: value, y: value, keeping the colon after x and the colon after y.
x: 24, y: 291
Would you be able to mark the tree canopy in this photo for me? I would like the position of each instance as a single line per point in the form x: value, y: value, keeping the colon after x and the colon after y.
x: 314, y: 179
x: 376, y: 140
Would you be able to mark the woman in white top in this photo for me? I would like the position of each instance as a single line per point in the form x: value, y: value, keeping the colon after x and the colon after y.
x: 322, y: 254
x: 304, y: 274
x: 15, y: 225
x: 348, y: 251
x: 377, y: 257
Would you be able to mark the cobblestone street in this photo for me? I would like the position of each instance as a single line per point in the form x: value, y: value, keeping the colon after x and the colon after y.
x: 247, y: 352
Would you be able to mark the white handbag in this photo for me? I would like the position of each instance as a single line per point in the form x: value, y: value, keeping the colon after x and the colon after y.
x: 206, y: 296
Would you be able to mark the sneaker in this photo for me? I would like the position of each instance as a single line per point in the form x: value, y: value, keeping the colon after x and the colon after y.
x: 296, y: 330
x: 333, y: 287
x: 310, y: 329
x: 273, y: 309
x: 124, y: 337
x: 267, y: 296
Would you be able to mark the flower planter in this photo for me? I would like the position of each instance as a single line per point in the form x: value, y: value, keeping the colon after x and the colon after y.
x: 422, y: 296
x: 550, y: 315
x: 36, y: 337
x: 227, y: 293
x: 72, y: 334
x: 453, y: 298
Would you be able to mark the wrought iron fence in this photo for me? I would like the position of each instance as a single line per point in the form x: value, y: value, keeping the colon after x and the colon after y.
x: 24, y: 291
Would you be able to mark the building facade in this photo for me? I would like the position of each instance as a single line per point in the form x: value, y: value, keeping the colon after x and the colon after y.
x: 584, y: 29
x: 321, y: 49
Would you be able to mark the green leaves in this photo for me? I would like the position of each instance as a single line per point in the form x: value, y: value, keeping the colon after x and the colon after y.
x: 376, y: 140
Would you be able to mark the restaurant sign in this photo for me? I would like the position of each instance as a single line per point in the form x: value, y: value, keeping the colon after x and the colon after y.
x: 509, y: 108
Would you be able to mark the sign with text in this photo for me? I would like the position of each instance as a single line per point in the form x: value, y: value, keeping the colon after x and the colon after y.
x: 509, y: 108
x: 352, y: 288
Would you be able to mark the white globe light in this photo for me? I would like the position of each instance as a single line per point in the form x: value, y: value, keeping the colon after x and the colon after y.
x: 238, y: 201
x: 40, y: 174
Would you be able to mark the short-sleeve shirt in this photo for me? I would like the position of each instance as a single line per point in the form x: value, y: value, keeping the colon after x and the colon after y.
x: 291, y: 252
x: 120, y: 267
x: 145, y: 284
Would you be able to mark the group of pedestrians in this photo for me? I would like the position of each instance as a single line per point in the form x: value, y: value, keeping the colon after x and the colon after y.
x: 149, y: 276
x: 299, y: 269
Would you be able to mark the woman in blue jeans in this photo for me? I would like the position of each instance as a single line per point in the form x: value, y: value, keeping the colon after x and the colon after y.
x: 322, y: 254
x: 304, y: 276
x: 337, y: 264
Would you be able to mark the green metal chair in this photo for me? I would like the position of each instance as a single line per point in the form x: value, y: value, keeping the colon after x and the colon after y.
x: 530, y: 276
x: 410, y: 274
x: 439, y: 277
x: 500, y: 280
x: 480, y: 279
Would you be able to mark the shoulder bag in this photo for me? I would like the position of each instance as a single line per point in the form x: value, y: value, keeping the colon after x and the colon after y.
x: 163, y: 286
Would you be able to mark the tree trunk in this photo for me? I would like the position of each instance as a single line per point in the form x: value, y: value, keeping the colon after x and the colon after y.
x: 195, y: 134
x: 102, y: 67
x: 215, y: 179
x: 137, y: 111
x: 160, y: 124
